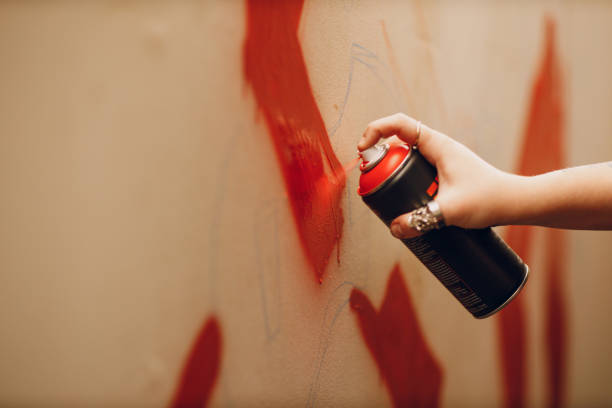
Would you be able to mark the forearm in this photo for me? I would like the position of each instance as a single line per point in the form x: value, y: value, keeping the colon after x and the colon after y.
x: 575, y: 198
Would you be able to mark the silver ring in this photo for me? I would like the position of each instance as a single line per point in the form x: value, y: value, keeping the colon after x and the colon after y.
x: 426, y: 218
x: 418, y: 133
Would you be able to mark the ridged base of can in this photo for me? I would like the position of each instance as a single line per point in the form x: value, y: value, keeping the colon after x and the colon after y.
x: 516, y: 292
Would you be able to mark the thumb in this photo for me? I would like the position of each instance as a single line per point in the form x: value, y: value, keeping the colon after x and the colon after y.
x: 400, y: 228
x: 403, y: 227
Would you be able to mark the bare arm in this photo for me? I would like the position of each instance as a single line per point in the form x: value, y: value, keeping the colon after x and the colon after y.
x: 474, y: 194
x: 575, y: 198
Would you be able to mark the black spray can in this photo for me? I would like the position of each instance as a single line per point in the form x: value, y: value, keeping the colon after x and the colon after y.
x: 475, y: 265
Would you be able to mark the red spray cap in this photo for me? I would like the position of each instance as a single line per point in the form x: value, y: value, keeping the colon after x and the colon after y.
x: 379, y: 162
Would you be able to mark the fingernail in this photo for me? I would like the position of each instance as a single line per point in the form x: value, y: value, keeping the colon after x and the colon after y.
x: 396, y: 230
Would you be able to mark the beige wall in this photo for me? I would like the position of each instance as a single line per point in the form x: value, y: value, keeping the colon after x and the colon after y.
x: 140, y: 194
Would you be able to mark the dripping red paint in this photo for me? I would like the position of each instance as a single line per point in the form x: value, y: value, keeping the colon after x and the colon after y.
x: 409, y: 369
x: 543, y: 150
x: 201, y: 368
x: 274, y: 67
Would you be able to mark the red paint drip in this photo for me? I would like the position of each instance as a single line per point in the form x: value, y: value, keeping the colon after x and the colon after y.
x: 543, y: 150
x: 275, y: 69
x: 201, y: 368
x: 397, y: 344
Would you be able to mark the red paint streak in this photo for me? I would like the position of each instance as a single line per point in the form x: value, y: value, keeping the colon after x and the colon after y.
x: 397, y: 344
x: 275, y: 69
x: 201, y: 368
x: 556, y: 316
x: 543, y: 150
x: 512, y: 330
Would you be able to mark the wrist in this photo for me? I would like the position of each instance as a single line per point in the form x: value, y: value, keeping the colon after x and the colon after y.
x: 514, y: 201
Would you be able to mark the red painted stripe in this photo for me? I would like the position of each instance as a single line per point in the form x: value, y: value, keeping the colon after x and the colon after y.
x: 405, y: 361
x: 274, y: 68
x: 543, y: 150
x: 201, y: 368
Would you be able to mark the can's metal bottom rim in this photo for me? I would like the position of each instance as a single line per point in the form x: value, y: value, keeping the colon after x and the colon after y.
x: 516, y: 292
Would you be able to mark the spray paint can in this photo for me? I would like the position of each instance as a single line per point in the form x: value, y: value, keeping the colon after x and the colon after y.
x: 475, y: 265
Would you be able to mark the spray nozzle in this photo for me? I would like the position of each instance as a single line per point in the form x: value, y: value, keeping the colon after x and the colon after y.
x: 371, y: 156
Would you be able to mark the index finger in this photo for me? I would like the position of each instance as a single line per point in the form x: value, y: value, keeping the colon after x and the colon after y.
x: 399, y: 124
x: 430, y: 142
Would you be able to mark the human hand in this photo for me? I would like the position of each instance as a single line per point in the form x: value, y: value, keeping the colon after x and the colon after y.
x: 471, y: 194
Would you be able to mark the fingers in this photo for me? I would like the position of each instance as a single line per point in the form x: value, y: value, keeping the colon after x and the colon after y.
x: 403, y: 126
x: 399, y: 124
